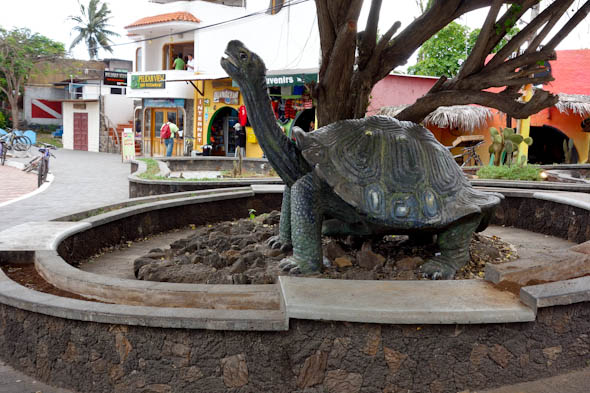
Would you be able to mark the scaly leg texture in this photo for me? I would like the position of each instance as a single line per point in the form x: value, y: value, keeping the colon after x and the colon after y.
x: 306, y: 225
x: 454, y: 249
x: 283, y: 239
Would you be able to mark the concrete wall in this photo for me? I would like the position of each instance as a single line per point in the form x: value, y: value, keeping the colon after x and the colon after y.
x: 92, y: 108
x: 118, y: 108
x: 43, y: 93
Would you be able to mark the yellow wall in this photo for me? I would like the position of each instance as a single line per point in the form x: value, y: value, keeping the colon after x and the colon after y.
x: 253, y: 150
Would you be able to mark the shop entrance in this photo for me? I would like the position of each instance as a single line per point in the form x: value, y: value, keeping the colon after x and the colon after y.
x: 160, y: 116
x: 547, y: 147
x: 221, y: 134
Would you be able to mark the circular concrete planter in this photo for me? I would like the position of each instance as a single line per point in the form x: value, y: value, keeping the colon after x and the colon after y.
x: 139, y: 187
x: 322, y: 335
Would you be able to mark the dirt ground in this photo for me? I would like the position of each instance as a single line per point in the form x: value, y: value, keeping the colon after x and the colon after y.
x: 237, y: 253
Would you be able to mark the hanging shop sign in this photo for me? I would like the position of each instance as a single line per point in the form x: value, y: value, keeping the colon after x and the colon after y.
x: 199, y: 119
x: 290, y: 80
x: 149, y: 81
x: 115, y: 78
x: 163, y: 102
x: 226, y: 96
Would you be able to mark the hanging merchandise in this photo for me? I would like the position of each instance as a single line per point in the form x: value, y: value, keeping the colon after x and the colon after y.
x: 289, y: 110
x: 242, y: 116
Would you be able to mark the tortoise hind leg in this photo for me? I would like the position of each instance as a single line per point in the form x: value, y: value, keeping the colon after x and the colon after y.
x: 283, y: 239
x: 306, y: 226
x: 454, y: 249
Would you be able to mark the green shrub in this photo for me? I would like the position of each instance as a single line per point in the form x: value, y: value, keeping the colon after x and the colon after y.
x: 2, y: 120
x: 529, y: 172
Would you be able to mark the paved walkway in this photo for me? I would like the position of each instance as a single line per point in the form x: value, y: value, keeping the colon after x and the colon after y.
x: 82, y: 180
x: 15, y: 183
x: 86, y: 180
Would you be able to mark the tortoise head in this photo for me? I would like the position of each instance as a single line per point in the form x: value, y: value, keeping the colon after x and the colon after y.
x: 241, y: 64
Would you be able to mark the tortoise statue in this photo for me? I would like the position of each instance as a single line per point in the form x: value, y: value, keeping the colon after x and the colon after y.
x: 368, y: 176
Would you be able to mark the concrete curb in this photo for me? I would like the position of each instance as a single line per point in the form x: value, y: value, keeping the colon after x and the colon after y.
x: 286, y: 302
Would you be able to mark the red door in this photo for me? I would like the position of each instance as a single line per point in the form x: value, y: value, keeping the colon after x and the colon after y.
x: 81, y: 131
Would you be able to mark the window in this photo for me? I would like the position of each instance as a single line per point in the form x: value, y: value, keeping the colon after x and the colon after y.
x: 138, y: 59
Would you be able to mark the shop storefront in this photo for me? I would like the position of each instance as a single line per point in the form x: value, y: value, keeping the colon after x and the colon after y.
x: 219, y: 107
x: 291, y: 99
x: 161, y: 101
x: 156, y: 112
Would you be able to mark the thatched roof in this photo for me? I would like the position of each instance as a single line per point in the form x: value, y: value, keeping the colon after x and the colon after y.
x: 576, y: 103
x: 466, y: 118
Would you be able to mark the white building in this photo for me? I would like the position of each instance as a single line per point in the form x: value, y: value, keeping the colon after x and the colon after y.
x: 286, y: 40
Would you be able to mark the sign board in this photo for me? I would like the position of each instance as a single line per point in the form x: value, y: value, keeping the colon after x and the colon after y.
x: 115, y: 78
x: 290, y: 80
x: 199, y: 120
x: 149, y: 81
x: 128, y: 144
x: 163, y: 102
x: 226, y: 96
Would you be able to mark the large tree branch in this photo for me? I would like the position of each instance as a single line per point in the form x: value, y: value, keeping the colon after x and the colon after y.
x: 368, y: 38
x: 519, y: 110
x: 569, y: 26
x: 477, y: 57
x: 422, y: 28
x: 554, y: 11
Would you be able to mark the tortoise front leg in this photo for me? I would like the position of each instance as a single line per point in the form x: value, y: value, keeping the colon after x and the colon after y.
x: 283, y: 239
x: 306, y: 226
x: 454, y: 249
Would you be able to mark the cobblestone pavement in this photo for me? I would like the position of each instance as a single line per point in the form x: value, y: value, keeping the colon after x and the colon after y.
x: 15, y: 183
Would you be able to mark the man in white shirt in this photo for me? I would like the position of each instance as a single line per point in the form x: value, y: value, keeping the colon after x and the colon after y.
x: 190, y: 64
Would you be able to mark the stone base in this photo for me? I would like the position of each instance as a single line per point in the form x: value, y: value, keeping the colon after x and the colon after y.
x: 312, y: 356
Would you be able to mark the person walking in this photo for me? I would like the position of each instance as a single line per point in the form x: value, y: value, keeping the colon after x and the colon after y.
x: 240, y: 140
x: 178, y: 62
x: 167, y: 132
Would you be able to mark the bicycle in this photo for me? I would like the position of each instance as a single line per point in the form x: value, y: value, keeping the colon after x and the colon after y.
x: 41, y: 163
x: 15, y: 141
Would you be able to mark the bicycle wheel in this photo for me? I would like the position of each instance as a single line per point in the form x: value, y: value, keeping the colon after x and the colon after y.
x: 2, y: 153
x: 40, y: 172
x: 34, y: 163
x: 21, y: 143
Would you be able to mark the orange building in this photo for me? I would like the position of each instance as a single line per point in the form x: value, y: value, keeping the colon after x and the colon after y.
x: 549, y: 127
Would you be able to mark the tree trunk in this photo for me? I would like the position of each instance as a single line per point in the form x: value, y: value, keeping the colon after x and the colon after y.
x: 14, y: 110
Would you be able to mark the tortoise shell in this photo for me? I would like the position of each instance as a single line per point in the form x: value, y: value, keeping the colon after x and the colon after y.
x: 394, y: 172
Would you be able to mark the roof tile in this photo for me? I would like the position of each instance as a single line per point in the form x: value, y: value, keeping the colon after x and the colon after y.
x: 163, y: 18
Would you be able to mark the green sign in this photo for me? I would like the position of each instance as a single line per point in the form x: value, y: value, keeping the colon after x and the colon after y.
x: 149, y: 81
x: 290, y: 80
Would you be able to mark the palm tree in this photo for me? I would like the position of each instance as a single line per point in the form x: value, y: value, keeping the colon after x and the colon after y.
x: 92, y: 27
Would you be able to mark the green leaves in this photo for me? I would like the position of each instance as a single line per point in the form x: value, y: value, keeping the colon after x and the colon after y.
x: 444, y: 52
x: 92, y: 28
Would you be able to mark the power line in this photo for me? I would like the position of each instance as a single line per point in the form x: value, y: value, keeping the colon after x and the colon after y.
x: 289, y: 3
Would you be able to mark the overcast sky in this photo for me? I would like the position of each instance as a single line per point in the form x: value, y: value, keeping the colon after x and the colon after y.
x: 50, y: 18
